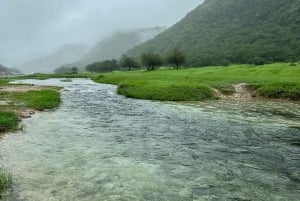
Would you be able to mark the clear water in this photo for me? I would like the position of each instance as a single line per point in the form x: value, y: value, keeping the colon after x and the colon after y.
x: 102, y: 146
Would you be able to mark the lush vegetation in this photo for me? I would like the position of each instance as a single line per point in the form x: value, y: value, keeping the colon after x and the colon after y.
x: 103, y: 66
x: 5, y: 183
x: 223, y: 32
x: 279, y: 80
x: 165, y: 90
x: 8, y: 121
x: 39, y: 100
x: 151, y: 60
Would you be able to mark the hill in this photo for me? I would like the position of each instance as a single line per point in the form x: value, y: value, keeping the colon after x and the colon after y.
x: 117, y: 44
x: 66, y: 54
x: 219, y: 32
x: 7, y: 71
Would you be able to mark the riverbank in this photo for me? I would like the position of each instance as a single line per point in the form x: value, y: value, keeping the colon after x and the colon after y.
x: 22, y: 101
x: 279, y: 80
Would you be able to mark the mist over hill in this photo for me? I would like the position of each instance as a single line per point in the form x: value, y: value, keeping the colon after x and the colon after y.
x: 7, y: 71
x: 66, y: 54
x: 117, y: 44
x: 219, y: 32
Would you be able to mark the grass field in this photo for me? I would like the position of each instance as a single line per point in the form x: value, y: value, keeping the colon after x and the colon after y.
x: 279, y: 80
x: 38, y: 100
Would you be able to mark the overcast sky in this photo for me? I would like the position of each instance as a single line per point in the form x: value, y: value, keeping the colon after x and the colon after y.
x: 33, y: 28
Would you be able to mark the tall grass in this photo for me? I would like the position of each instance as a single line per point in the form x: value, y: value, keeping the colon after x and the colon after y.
x: 5, y: 184
x: 8, y: 121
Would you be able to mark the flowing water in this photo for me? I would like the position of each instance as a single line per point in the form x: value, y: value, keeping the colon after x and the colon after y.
x: 101, y: 146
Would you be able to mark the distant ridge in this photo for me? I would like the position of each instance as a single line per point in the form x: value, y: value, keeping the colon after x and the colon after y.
x: 66, y: 54
x: 117, y: 44
x: 219, y: 32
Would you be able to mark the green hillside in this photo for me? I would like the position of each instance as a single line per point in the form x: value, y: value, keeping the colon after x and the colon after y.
x: 219, y: 32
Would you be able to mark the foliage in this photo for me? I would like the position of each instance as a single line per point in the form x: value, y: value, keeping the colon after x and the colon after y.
x: 8, y: 122
x: 161, y: 81
x: 74, y: 70
x: 220, y: 32
x: 176, y: 57
x: 151, y: 60
x: 128, y: 62
x: 103, y: 66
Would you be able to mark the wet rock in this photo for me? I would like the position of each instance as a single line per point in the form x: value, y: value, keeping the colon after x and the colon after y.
x: 27, y: 113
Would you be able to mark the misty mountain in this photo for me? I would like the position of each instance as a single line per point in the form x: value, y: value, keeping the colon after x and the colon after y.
x: 66, y: 54
x: 7, y: 71
x: 117, y: 44
x: 219, y: 32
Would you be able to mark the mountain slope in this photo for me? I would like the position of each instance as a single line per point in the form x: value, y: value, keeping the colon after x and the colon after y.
x: 66, y: 54
x: 117, y: 44
x: 219, y: 32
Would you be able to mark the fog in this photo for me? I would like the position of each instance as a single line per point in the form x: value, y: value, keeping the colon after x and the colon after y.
x: 34, y: 28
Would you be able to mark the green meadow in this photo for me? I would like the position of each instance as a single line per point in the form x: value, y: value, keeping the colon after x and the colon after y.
x: 279, y: 80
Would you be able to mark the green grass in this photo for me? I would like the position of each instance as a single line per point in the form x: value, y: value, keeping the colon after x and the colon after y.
x: 5, y: 182
x: 279, y: 80
x: 39, y: 100
x: 165, y: 91
x: 8, y: 121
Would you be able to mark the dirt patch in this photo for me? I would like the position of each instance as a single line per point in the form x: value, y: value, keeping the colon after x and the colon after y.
x: 240, y: 92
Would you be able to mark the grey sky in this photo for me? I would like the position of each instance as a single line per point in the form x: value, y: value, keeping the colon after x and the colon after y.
x: 32, y: 28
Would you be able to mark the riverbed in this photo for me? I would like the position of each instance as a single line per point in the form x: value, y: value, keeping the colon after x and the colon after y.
x: 99, y: 145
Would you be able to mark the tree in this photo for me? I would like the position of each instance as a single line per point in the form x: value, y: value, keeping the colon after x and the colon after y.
x: 74, y: 70
x: 62, y: 69
x: 103, y: 66
x: 176, y: 57
x: 128, y: 62
x: 151, y: 60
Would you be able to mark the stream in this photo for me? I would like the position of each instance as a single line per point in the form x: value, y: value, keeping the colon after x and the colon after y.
x: 99, y: 145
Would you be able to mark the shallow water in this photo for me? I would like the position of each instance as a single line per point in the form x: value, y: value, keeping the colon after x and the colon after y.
x: 102, y: 146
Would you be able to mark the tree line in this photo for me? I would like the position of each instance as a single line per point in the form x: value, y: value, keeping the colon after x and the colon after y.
x: 149, y: 60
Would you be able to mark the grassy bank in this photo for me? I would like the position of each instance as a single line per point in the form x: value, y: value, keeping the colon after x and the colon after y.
x: 17, y: 98
x: 279, y: 80
x: 8, y: 121
x: 38, y: 100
